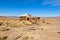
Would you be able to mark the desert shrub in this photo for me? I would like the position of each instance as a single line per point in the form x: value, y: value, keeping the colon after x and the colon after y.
x: 25, y: 38
x: 43, y: 21
x: 4, y: 29
x: 58, y: 32
x: 47, y: 22
x: 3, y: 38
x: 13, y: 24
x: 31, y: 37
x: 1, y: 23
x: 42, y: 29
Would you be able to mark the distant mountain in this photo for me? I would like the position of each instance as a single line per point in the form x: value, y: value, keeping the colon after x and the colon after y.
x: 12, y: 16
x: 8, y: 16
x: 2, y: 16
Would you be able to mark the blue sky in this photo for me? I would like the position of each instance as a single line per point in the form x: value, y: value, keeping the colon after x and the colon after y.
x: 33, y: 7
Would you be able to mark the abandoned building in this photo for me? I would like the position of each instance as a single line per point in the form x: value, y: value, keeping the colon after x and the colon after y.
x: 30, y: 18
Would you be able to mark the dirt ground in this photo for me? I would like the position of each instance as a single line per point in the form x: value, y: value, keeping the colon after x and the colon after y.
x: 45, y: 29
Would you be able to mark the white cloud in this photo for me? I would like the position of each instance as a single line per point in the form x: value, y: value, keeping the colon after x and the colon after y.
x: 52, y: 2
x: 45, y: 2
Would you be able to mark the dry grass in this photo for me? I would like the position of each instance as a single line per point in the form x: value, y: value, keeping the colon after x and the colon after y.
x: 44, y: 30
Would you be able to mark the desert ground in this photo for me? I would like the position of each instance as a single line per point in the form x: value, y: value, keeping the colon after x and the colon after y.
x: 45, y: 29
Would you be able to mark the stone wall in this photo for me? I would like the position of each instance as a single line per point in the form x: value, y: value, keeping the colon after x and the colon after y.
x: 31, y: 19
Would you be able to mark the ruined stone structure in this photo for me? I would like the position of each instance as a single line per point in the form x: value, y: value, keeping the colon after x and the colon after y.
x: 30, y: 18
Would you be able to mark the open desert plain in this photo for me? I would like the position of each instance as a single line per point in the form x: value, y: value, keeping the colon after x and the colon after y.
x: 47, y: 28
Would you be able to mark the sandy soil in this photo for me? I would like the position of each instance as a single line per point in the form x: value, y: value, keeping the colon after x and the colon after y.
x: 46, y: 29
